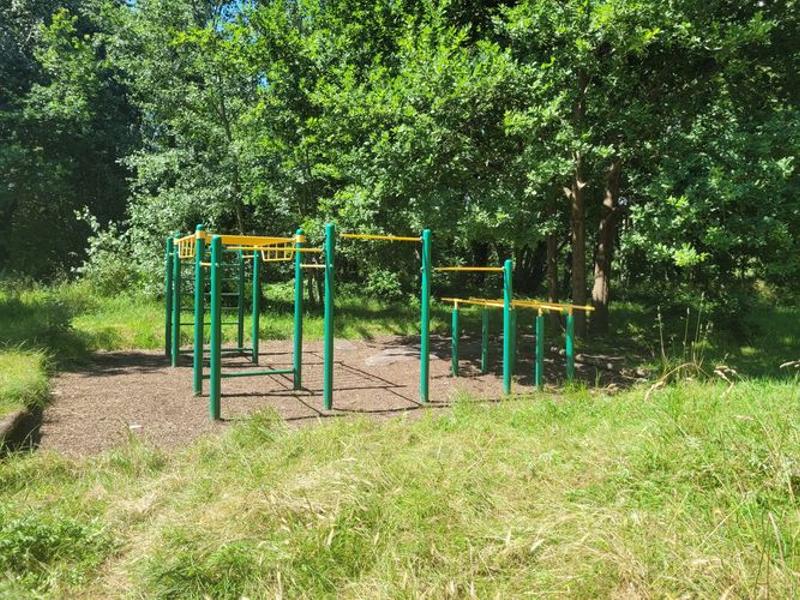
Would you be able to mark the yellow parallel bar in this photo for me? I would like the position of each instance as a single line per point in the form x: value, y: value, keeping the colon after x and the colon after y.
x: 478, y: 269
x: 475, y: 301
x: 312, y: 266
x: 371, y: 236
x: 550, y: 305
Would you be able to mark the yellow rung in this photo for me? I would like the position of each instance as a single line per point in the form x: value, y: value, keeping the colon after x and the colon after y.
x: 550, y: 305
x: 312, y: 266
x: 477, y: 269
x: 372, y: 236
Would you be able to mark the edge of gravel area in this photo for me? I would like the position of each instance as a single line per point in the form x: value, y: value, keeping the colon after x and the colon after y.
x: 19, y: 428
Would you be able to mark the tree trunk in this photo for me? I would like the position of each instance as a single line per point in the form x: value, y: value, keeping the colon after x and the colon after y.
x: 552, y: 277
x: 606, y: 236
x: 578, y: 243
x: 576, y: 194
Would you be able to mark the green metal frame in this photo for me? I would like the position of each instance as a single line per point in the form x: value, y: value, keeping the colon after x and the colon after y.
x: 454, y: 335
x: 297, y: 352
x: 327, y: 373
x: 425, y: 318
x: 508, y: 353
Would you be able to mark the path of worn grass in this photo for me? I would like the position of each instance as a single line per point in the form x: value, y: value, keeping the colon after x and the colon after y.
x: 691, y: 492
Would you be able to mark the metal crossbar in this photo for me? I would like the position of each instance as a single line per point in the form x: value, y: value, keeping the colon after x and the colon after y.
x: 374, y: 236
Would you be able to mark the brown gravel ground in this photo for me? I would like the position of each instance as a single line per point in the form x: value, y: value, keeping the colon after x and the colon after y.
x: 137, y: 393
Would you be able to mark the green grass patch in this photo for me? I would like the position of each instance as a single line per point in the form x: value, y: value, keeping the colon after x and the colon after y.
x: 691, y: 492
x: 23, y: 380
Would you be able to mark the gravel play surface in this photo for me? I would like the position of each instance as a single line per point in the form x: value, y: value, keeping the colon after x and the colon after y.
x: 137, y: 393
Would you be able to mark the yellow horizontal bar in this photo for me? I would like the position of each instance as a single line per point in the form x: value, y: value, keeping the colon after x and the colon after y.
x: 312, y: 266
x: 551, y: 305
x: 371, y: 236
x: 475, y: 301
x: 252, y: 240
x: 478, y: 269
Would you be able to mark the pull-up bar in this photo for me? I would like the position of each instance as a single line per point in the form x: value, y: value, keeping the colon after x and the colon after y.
x: 475, y: 269
x: 375, y: 236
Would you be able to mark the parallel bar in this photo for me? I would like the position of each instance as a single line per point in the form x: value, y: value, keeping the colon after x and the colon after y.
x: 454, y: 334
x: 199, y: 311
x: 311, y: 266
x: 256, y: 308
x: 570, y: 346
x: 297, y: 346
x: 476, y: 269
x: 255, y: 373
x: 327, y: 374
x: 168, y: 252
x: 507, y: 354
x: 425, y: 318
x: 176, y: 305
x: 484, y: 341
x: 215, y: 390
x: 538, y: 371
x: 373, y: 236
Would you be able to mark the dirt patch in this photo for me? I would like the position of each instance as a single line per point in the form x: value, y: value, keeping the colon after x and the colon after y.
x: 137, y: 393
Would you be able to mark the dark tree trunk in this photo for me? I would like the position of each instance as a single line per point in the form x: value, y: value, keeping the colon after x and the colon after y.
x: 577, y: 211
x: 604, y: 254
x: 552, y: 276
x: 576, y: 193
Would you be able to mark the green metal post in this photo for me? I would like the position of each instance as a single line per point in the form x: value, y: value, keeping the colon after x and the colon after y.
x: 485, y: 340
x: 168, y: 297
x: 570, y: 346
x: 256, y: 305
x: 297, y: 351
x: 199, y: 310
x: 454, y: 333
x: 176, y: 305
x: 327, y: 374
x: 425, y: 318
x: 508, y: 296
x: 240, y: 303
x: 538, y: 372
x: 216, y: 330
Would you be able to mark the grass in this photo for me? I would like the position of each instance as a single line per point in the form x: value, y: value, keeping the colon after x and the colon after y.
x: 23, y: 380
x: 692, y: 492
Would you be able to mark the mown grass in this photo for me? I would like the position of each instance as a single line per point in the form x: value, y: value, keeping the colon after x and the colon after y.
x: 691, y: 492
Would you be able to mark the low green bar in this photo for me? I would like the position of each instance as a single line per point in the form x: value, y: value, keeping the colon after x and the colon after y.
x: 570, y: 347
x: 249, y: 373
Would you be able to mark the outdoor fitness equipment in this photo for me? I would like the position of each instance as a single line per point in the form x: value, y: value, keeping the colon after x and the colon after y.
x: 329, y: 250
x: 257, y: 249
x: 509, y: 325
x: 508, y: 305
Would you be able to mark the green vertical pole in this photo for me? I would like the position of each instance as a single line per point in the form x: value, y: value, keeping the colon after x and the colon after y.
x: 176, y: 304
x: 485, y: 340
x: 240, y: 305
x: 199, y: 310
x: 507, y: 351
x: 538, y: 372
x: 168, y: 297
x: 454, y: 333
x: 256, y: 305
x: 216, y: 330
x: 327, y: 375
x: 570, y: 346
x: 297, y: 351
x: 425, y: 317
